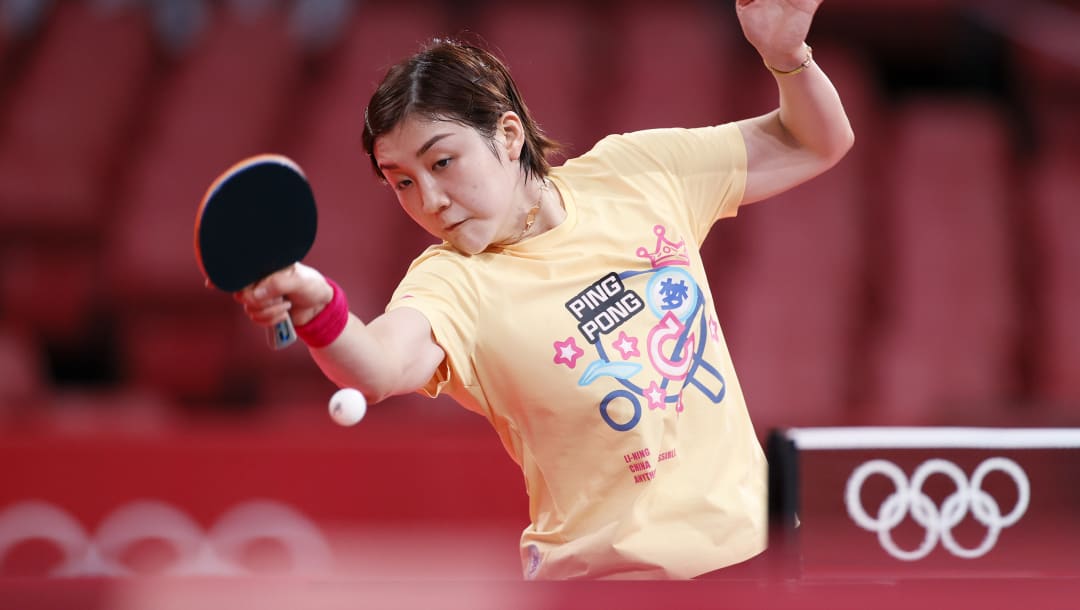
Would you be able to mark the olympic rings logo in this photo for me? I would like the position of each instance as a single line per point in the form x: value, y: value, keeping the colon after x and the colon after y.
x: 217, y: 551
x: 938, y: 522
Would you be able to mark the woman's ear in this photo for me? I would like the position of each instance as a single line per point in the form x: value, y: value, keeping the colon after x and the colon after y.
x: 511, y: 134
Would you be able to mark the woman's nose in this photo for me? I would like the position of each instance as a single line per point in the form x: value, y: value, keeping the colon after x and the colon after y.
x: 433, y: 199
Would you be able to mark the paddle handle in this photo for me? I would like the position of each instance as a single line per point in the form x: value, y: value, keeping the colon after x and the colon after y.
x: 281, y: 335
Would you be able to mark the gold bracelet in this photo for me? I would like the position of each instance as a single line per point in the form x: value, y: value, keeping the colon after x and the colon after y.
x: 804, y: 65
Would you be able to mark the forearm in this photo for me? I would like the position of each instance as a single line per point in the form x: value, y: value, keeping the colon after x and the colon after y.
x: 808, y: 134
x: 811, y: 113
x: 354, y: 360
x: 393, y: 354
x: 810, y: 131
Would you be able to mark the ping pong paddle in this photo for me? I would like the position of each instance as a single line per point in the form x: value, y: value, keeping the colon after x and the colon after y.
x: 256, y: 218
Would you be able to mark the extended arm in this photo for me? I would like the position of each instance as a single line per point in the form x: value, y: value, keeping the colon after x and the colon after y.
x: 393, y: 354
x: 810, y: 131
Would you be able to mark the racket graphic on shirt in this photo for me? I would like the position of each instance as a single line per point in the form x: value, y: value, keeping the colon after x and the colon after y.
x: 256, y: 218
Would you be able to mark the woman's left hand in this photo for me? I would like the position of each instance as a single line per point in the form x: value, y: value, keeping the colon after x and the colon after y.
x: 777, y: 29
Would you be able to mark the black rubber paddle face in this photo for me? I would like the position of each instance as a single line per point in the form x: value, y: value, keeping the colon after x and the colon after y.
x: 257, y: 218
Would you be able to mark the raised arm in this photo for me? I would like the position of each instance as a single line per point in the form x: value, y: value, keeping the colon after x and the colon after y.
x: 809, y: 132
x: 393, y: 354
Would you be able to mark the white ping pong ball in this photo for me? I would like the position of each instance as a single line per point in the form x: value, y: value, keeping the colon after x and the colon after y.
x: 347, y: 406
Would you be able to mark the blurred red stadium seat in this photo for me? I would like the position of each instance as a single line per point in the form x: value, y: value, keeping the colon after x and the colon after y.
x: 365, y: 239
x: 227, y: 99
x: 947, y: 346
x: 7, y: 43
x: 53, y: 290
x: 1045, y: 57
x: 887, y: 5
x: 1055, y: 217
x: 790, y: 291
x: 196, y: 357
x: 549, y: 48
x: 670, y: 66
x: 71, y: 111
x: 23, y: 382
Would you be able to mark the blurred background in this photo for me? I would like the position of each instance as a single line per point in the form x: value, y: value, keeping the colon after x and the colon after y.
x: 930, y: 278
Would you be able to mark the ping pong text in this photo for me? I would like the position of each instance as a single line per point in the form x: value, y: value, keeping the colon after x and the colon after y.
x: 604, y: 306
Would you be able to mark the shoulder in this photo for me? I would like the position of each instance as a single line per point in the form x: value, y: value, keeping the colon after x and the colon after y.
x: 442, y: 266
x: 662, y: 145
x: 437, y: 283
x: 438, y: 256
x: 435, y: 269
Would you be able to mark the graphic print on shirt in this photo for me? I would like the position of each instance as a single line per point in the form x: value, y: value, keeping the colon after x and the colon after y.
x: 656, y: 368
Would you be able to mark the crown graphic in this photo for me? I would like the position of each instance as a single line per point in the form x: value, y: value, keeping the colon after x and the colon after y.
x: 667, y: 252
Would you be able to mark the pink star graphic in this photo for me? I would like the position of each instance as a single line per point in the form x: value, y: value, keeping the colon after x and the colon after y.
x: 567, y: 352
x: 656, y: 395
x: 714, y: 329
x: 627, y: 346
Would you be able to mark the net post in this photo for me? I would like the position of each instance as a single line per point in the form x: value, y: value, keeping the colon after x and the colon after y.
x: 783, y: 458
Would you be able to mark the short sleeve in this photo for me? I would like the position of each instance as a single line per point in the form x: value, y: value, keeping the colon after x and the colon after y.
x: 434, y: 285
x: 705, y: 167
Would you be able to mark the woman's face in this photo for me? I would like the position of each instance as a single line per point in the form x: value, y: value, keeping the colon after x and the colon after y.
x: 452, y: 181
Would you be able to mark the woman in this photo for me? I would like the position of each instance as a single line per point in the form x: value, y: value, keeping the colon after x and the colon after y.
x: 569, y: 305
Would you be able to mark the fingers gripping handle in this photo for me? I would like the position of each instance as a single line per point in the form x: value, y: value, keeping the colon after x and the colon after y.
x: 282, y: 334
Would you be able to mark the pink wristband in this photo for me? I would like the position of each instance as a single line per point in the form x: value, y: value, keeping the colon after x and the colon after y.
x: 321, y: 330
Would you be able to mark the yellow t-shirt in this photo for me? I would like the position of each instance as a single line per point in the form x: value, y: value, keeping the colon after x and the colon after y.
x: 595, y: 352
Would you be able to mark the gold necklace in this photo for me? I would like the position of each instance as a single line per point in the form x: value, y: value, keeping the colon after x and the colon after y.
x: 530, y: 218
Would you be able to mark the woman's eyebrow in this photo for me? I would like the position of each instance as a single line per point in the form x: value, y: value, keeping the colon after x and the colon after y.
x: 423, y: 149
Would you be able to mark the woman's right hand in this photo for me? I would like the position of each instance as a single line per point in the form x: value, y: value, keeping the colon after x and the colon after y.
x: 298, y: 291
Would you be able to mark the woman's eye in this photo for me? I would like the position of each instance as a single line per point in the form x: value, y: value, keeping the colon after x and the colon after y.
x: 442, y: 163
x: 402, y: 184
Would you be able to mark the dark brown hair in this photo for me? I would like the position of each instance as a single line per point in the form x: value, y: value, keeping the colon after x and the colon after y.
x: 454, y: 81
